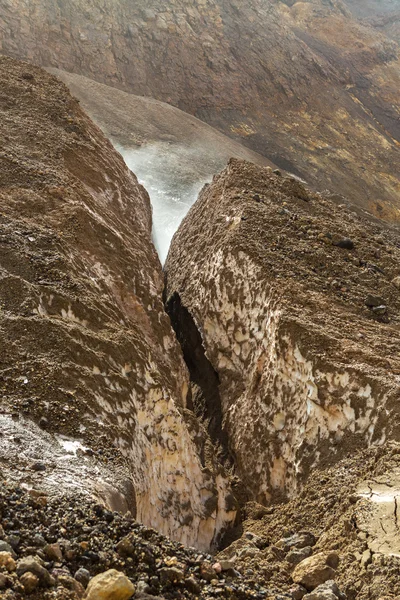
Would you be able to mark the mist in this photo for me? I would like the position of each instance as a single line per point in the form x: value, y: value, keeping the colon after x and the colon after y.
x: 173, y: 175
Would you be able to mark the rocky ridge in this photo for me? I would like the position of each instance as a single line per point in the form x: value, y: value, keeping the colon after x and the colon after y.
x: 171, y: 152
x: 297, y: 307
x: 88, y: 352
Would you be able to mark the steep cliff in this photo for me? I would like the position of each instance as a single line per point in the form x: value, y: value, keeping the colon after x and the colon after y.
x: 305, y: 84
x: 87, y: 349
x: 297, y: 306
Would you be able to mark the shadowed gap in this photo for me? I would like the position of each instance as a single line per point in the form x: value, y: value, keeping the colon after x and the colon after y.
x: 205, y: 399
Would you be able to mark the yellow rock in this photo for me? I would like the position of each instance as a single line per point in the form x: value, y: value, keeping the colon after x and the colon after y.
x: 111, y: 585
x: 7, y: 561
x: 315, y: 570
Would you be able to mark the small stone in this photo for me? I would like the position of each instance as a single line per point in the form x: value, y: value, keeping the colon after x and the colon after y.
x: 380, y: 310
x: 33, y: 565
x: 172, y: 575
x: 5, y: 547
x: 227, y: 565
x: 39, y: 541
x: 345, y: 243
x: 53, y: 552
x: 372, y: 301
x: 206, y: 571
x: 125, y: 548
x: 148, y: 14
x: 192, y: 585
x: 71, y: 584
x: 248, y: 552
x: 217, y: 567
x: 325, y: 237
x: 43, y: 423
x: 327, y: 591
x: 316, y: 595
x: 366, y: 558
x: 14, y: 541
x: 110, y: 585
x: 83, y: 577
x: 316, y: 570
x: 7, y: 561
x: 296, y: 556
x: 396, y: 282
x: 277, y: 172
x: 30, y: 582
x: 3, y: 581
x: 38, y: 466
x: 142, y: 587
x: 298, y: 592
x: 299, y: 540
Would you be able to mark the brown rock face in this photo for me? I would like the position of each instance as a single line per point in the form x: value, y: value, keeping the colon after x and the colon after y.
x: 294, y: 364
x: 87, y: 349
x: 304, y: 83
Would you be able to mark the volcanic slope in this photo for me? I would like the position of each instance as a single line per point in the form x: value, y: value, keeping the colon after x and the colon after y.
x: 305, y: 84
x: 384, y: 16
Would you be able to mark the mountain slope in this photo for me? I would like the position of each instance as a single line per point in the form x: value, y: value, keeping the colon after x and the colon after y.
x: 384, y: 16
x: 304, y: 84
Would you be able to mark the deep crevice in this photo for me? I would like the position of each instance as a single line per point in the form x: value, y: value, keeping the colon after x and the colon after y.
x: 204, y: 400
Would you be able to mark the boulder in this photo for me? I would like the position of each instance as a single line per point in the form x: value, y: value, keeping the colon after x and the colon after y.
x: 316, y: 570
x: 111, y: 585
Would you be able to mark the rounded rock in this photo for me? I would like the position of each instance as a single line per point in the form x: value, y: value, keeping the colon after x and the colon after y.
x: 83, y: 577
x: 7, y: 561
x: 30, y: 582
x: 316, y: 570
x: 110, y: 585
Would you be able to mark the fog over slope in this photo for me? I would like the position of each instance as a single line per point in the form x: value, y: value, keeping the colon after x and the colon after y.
x: 167, y: 172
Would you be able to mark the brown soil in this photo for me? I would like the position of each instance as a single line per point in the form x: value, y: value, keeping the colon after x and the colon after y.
x: 330, y: 508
